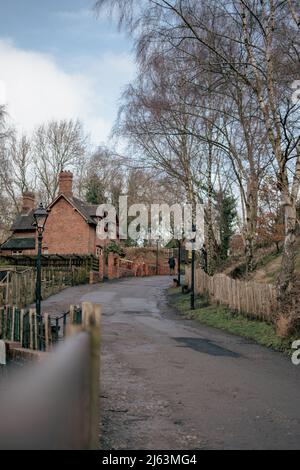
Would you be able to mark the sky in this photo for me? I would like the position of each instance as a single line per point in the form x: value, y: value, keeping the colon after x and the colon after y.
x: 59, y: 61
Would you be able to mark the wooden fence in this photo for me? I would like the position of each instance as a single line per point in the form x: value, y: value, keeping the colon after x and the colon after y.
x: 38, y: 333
x: 58, y: 261
x: 54, y: 405
x: 17, y: 285
x: 251, y: 298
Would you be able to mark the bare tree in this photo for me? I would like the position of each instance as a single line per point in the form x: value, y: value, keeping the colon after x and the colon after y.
x: 249, y: 42
x: 20, y: 153
x: 104, y: 177
x: 9, y: 188
x: 56, y: 147
x: 158, y: 131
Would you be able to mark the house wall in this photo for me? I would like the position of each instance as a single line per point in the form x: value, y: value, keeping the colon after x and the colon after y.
x: 20, y: 234
x: 67, y: 232
x: 21, y: 252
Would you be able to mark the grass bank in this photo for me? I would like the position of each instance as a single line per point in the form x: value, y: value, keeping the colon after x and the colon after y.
x: 219, y: 316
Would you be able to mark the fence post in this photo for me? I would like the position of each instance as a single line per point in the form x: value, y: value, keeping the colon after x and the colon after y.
x: 87, y: 311
x: 22, y: 327
x: 92, y: 325
x: 72, y: 313
x: 37, y: 332
x: 7, y: 287
x: 46, y: 322
x: 1, y: 321
x: 31, y: 317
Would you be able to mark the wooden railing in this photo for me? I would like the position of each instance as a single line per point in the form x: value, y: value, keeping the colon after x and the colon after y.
x: 254, y: 299
x: 55, y: 405
x: 17, y: 285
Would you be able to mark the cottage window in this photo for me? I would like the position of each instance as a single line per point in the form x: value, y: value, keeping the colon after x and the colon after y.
x: 98, y: 252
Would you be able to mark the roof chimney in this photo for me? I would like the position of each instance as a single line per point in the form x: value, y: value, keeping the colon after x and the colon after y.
x: 66, y: 183
x: 28, y: 202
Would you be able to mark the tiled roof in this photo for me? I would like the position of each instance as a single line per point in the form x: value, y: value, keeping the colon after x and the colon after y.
x: 87, y: 210
x: 19, y: 244
x: 24, y: 223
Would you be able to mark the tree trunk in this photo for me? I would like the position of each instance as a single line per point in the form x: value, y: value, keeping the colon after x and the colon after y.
x: 289, y: 204
x: 286, y: 277
x: 251, y: 225
x: 249, y: 253
x: 210, y: 229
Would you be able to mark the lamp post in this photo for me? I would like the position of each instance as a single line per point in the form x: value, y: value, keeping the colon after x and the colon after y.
x: 40, y: 218
x: 179, y: 263
x: 157, y: 257
x: 193, y: 273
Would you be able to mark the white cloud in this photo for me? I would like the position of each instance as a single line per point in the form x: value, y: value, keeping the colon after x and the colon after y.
x: 38, y: 90
x: 3, y: 95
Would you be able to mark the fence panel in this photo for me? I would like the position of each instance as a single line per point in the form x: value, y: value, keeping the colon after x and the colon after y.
x: 251, y: 298
x: 17, y: 285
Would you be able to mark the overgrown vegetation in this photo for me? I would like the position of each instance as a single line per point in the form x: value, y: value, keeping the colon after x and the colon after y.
x: 218, y: 316
x: 113, y: 247
x: 226, y: 206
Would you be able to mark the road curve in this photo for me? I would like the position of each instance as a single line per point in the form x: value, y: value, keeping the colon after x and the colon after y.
x: 170, y: 383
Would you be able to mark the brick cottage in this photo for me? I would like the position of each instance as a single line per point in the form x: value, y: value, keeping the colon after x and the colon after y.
x: 70, y: 228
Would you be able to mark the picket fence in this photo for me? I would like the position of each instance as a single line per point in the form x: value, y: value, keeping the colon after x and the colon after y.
x: 253, y: 299
x: 38, y: 333
x: 17, y: 285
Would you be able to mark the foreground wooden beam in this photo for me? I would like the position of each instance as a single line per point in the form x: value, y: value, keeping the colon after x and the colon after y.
x: 55, y: 405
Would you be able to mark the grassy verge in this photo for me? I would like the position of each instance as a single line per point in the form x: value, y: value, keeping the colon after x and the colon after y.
x: 221, y: 317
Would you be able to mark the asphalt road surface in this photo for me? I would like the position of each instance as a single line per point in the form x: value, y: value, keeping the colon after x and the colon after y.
x: 173, y: 384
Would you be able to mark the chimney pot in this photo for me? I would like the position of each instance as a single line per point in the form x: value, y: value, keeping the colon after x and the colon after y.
x: 66, y: 183
x: 28, y: 202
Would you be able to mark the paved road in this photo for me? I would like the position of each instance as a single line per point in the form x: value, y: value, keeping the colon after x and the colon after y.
x: 170, y: 383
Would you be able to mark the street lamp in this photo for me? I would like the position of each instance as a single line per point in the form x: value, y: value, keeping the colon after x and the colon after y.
x: 40, y: 217
x: 193, y: 272
x: 157, y: 257
x: 179, y: 263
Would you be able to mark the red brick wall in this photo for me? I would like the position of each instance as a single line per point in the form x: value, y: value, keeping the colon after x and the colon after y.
x: 24, y: 234
x: 11, y: 252
x: 67, y: 232
x: 101, y: 267
x: 113, y: 266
